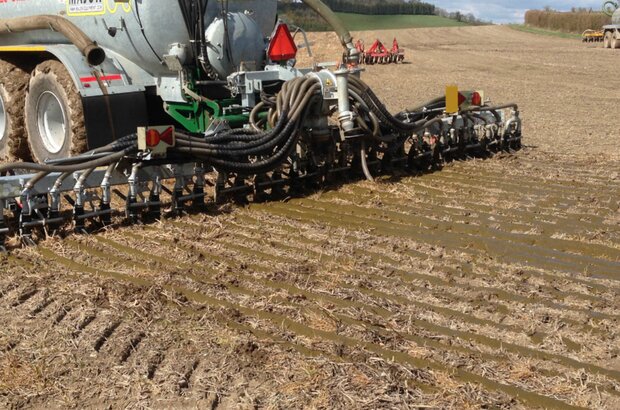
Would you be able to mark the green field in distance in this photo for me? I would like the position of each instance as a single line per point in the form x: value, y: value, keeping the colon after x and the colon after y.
x: 361, y: 22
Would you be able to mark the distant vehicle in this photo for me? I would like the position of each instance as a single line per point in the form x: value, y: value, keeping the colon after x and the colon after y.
x: 611, y: 32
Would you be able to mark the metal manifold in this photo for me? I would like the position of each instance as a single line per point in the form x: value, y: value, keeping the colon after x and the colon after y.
x: 319, y: 128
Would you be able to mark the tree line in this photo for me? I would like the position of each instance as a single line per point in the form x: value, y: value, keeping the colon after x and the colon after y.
x: 576, y: 21
x: 298, y: 14
x: 369, y: 7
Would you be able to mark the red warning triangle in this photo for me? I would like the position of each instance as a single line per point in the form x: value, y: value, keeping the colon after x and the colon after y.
x: 282, y: 47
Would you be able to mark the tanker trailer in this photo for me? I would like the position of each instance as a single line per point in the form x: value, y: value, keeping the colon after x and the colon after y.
x: 611, y: 32
x: 205, y: 94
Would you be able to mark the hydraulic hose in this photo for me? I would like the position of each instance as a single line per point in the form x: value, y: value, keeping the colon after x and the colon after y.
x: 68, y: 168
x: 93, y: 53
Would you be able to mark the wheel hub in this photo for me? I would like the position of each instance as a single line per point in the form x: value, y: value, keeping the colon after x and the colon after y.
x: 3, y: 120
x: 51, y: 121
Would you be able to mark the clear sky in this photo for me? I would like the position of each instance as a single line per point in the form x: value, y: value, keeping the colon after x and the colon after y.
x: 510, y: 11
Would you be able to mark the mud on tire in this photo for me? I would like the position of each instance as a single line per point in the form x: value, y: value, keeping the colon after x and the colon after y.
x: 54, y: 115
x: 13, y: 85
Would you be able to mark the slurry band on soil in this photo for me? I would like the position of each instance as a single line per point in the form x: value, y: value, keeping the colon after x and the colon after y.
x: 527, y: 397
x: 481, y: 339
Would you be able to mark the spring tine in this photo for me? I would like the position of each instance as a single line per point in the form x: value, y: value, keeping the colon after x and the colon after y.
x: 199, y: 187
x: 25, y: 216
x: 55, y: 198
x: 4, y: 228
x: 220, y: 185
x: 106, y: 196
x: 131, y: 211
x: 178, y: 205
x: 154, y: 201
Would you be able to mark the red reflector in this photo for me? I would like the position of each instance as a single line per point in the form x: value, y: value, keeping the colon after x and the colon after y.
x: 114, y: 77
x: 476, y: 99
x: 166, y: 136
x: 462, y: 99
x: 152, y: 138
x: 282, y: 46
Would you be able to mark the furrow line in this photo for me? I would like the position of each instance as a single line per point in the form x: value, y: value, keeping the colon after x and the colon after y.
x: 540, y: 186
x: 424, y: 324
x: 546, y: 246
x: 379, y: 228
x: 258, y: 226
x: 539, y: 204
x: 404, y: 278
x: 565, y: 195
x: 461, y: 237
x: 527, y: 397
x: 450, y: 332
x: 490, y: 342
x: 474, y: 216
x: 439, y: 196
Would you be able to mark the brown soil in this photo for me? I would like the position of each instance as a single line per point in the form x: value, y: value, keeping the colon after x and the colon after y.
x: 490, y: 284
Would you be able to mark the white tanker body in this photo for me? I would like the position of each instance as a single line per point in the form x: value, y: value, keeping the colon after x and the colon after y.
x: 139, y: 32
x: 147, y: 46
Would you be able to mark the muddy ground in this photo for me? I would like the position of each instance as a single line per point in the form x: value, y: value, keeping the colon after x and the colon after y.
x: 490, y: 284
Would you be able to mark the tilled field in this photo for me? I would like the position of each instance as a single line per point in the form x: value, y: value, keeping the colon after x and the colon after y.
x: 490, y: 284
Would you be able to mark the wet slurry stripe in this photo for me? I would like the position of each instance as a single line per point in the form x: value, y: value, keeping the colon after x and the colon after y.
x: 434, y: 196
x: 476, y: 217
x: 394, y: 265
x: 553, y: 248
x: 145, y: 283
x: 481, y: 339
x: 523, y: 186
x: 563, y: 171
x: 306, y: 331
x: 397, y: 280
x: 302, y: 242
x: 295, y: 248
x: 450, y: 234
x: 488, y: 172
x: 352, y: 318
x: 379, y: 228
x: 545, y: 204
x: 405, y: 279
x: 464, y: 335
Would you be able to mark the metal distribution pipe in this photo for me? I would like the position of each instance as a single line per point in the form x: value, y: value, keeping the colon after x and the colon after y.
x: 337, y: 24
x: 93, y: 53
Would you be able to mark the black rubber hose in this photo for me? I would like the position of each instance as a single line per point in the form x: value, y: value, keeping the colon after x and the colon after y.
x: 240, y: 151
x: 68, y: 168
x: 265, y: 136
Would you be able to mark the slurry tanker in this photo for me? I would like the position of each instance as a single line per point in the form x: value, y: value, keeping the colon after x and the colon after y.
x: 163, y: 103
x: 611, y: 32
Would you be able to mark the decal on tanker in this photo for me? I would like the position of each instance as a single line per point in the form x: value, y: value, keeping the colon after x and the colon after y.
x: 85, y: 7
x: 95, y: 7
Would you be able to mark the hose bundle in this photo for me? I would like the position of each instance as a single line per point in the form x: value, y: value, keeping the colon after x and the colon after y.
x: 244, y: 151
x: 252, y: 151
x: 365, y: 93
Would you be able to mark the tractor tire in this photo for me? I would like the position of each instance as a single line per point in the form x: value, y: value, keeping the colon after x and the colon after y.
x: 615, y: 40
x: 54, y: 114
x: 607, y: 39
x: 13, y: 85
